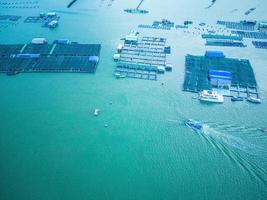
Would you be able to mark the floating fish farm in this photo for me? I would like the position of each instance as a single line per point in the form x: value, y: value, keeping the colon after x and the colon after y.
x: 142, y: 58
x: 250, y: 34
x: 242, y: 25
x: 49, y: 20
x: 223, y: 40
x: 57, y: 57
x: 163, y: 24
x: 259, y: 44
x: 197, y: 68
x: 224, y: 43
x: 13, y: 18
x: 137, y: 10
x: 222, y: 37
x: 19, y: 4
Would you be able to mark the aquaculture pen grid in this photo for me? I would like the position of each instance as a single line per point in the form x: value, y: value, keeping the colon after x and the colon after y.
x: 142, y: 59
x: 40, y: 58
x: 196, y: 72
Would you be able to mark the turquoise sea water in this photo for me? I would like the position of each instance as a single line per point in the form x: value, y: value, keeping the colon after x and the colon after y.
x: 52, y: 147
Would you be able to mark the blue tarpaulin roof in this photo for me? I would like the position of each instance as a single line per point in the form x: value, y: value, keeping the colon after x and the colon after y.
x: 214, y: 54
x: 220, y: 74
x: 220, y: 77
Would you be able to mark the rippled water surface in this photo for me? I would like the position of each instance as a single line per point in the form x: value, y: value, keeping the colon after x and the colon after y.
x: 52, y: 147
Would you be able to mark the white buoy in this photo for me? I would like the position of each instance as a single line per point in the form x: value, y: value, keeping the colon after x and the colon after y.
x: 96, y: 112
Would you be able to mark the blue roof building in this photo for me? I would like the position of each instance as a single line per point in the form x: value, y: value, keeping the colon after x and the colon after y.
x: 220, y: 78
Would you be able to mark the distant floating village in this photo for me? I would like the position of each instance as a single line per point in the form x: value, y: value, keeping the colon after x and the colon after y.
x: 212, y: 75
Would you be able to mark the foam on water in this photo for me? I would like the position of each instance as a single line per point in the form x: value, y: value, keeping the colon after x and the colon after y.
x: 237, y: 149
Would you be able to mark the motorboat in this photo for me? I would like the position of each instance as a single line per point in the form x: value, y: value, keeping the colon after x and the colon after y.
x: 195, y: 125
x: 211, y: 96
x: 119, y: 75
x: 254, y: 100
x: 237, y: 98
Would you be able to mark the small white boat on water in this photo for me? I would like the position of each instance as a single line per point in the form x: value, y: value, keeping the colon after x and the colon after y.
x: 211, y: 96
x: 254, y: 100
x: 119, y: 75
x: 96, y: 112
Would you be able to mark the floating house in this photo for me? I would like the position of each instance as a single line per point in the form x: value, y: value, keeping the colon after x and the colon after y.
x: 263, y: 26
x: 219, y: 78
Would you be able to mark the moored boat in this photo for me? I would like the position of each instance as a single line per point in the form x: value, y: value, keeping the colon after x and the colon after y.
x: 254, y: 100
x: 211, y: 96
x: 237, y: 98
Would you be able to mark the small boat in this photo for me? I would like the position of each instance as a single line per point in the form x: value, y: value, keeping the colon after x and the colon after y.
x: 96, y: 112
x: 211, y: 96
x: 119, y: 75
x: 195, y: 125
x: 254, y: 100
x: 237, y: 98
x: 263, y: 130
x: 12, y: 73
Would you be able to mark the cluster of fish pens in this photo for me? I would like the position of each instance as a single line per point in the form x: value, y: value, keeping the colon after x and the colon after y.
x: 241, y: 82
x: 19, y: 4
x: 61, y: 56
x: 141, y: 58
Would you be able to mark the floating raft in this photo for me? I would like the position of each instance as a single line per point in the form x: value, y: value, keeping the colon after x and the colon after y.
x: 19, y: 4
x: 143, y: 58
x: 247, y: 34
x: 135, y: 73
x: 10, y: 17
x: 49, y: 58
x: 224, y: 43
x: 45, y: 20
x: 163, y: 24
x: 259, y: 44
x: 242, y: 25
x: 222, y: 37
x: 197, y: 68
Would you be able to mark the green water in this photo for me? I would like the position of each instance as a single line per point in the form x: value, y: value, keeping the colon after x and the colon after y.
x: 52, y: 147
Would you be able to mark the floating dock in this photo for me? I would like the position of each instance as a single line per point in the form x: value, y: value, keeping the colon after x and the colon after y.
x: 71, y: 57
x: 197, y: 69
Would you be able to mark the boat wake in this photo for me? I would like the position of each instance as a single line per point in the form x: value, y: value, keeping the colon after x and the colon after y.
x: 233, y: 144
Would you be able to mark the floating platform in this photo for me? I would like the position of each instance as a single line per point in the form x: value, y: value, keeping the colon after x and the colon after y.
x: 253, y: 35
x: 259, y: 44
x: 197, y: 69
x: 40, y: 58
x: 242, y: 25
